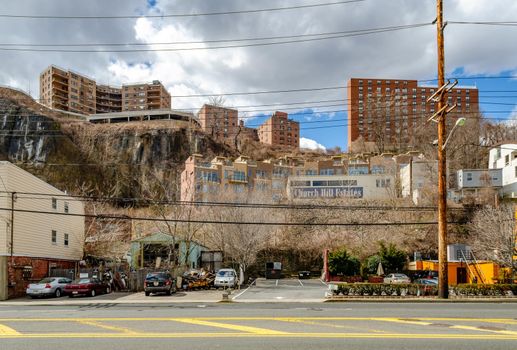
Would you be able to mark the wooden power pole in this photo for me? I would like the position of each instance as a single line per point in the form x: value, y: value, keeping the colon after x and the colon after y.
x: 443, y: 280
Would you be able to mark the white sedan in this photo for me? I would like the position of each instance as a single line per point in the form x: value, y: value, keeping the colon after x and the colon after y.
x: 398, y: 278
x: 50, y: 286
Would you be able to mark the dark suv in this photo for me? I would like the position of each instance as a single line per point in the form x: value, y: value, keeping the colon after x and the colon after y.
x: 159, y: 282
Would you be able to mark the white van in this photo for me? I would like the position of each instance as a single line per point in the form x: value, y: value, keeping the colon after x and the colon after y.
x: 226, y: 278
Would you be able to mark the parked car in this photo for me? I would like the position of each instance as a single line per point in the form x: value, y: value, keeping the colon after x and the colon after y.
x: 225, y: 278
x: 397, y: 278
x: 87, y: 286
x: 159, y: 282
x: 50, y: 286
x: 304, y: 274
x: 427, y: 281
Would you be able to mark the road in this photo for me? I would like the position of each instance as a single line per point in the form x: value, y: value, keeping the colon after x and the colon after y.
x: 306, y: 290
x: 260, y: 326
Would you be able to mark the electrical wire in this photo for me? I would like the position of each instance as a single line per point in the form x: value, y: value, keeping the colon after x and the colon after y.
x: 180, y: 15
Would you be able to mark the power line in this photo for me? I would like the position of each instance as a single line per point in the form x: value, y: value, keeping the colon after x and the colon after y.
x: 488, y: 23
x: 210, y: 41
x: 180, y: 15
x: 298, y: 206
x: 365, y: 32
x: 216, y: 222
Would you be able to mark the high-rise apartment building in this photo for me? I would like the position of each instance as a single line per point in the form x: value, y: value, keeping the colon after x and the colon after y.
x: 68, y: 91
x: 390, y: 111
x: 145, y: 97
x: 219, y: 122
x: 280, y: 131
x: 73, y: 92
x: 108, y: 99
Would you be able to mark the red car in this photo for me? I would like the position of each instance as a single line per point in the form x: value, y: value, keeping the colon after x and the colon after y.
x: 87, y: 286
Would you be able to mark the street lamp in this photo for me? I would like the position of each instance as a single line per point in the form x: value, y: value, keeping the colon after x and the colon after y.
x: 459, y: 122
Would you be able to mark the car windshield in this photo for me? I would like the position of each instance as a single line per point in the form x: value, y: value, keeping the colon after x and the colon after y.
x: 400, y: 275
x: 155, y: 276
x: 82, y: 281
x: 225, y: 274
x: 46, y: 280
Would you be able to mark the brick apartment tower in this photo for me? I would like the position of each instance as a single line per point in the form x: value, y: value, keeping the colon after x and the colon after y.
x: 73, y: 92
x: 394, y: 109
x: 145, y: 97
x: 219, y: 122
x: 280, y: 131
x: 68, y: 91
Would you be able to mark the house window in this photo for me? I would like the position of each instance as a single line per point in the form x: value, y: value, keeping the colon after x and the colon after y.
x: 469, y: 176
x: 54, y: 237
x: 515, y: 172
x: 54, y: 203
x: 66, y: 207
x: 66, y: 240
x: 507, y: 159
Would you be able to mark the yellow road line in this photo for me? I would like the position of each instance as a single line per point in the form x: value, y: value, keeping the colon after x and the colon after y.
x: 4, y: 330
x: 308, y: 322
x: 404, y: 321
x: 255, y: 335
x: 470, y: 328
x: 111, y: 328
x: 233, y: 327
x: 100, y: 319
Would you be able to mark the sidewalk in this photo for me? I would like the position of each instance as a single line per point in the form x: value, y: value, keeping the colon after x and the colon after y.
x: 205, y: 296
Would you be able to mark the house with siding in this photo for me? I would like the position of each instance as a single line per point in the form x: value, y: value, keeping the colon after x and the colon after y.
x: 41, y: 228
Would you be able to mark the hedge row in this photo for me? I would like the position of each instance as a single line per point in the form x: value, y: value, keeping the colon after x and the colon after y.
x: 384, y: 289
x: 484, y: 290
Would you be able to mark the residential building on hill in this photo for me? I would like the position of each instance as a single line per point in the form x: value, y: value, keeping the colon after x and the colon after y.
x: 219, y: 122
x: 361, y: 176
x: 504, y: 157
x: 42, y: 233
x: 280, y: 131
x: 73, y: 92
x: 389, y: 112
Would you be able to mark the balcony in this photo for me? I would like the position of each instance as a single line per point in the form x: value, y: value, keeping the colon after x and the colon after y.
x: 238, y: 179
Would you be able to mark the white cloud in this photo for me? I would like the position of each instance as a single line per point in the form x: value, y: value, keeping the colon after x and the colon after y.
x: 311, y: 144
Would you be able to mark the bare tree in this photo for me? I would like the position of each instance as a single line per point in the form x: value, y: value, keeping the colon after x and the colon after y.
x: 494, y: 235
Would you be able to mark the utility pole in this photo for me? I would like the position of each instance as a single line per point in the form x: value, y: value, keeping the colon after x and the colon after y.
x: 13, y: 199
x: 443, y: 280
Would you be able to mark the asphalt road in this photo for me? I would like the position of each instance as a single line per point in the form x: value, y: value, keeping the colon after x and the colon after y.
x: 260, y: 326
x: 306, y: 290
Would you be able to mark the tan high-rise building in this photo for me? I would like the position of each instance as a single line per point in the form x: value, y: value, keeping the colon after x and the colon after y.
x: 108, y: 99
x: 280, y: 131
x: 145, y: 97
x: 73, y: 92
x: 68, y: 91
x: 219, y: 122
x: 390, y: 111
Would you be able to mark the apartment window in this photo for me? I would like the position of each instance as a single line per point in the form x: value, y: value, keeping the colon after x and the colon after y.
x: 469, y: 176
x: 65, y: 241
x: 66, y: 207
x: 507, y: 159
x: 54, y: 203
x: 54, y: 237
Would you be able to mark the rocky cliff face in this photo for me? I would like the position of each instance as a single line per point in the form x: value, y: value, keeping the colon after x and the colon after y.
x: 75, y: 155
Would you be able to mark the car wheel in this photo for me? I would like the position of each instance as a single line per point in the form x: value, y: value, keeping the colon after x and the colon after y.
x: 92, y: 293
x: 57, y: 293
x: 169, y: 292
x: 147, y: 294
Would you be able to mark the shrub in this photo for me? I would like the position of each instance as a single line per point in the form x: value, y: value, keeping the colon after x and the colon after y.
x: 340, y: 262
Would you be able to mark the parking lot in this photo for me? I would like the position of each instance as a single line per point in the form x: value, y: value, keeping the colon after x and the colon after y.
x: 283, y: 290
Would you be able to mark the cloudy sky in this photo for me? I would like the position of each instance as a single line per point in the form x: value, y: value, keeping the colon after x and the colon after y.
x: 471, y: 51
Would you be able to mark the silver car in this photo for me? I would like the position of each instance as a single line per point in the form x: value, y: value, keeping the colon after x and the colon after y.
x: 397, y: 278
x: 49, y: 286
x: 226, y: 278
